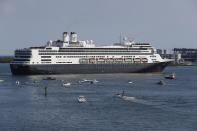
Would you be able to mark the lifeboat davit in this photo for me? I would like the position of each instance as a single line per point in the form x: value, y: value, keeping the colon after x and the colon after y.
x: 144, y: 60
x: 137, y: 59
x: 127, y: 59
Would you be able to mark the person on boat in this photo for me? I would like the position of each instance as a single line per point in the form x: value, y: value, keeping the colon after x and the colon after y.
x: 123, y: 93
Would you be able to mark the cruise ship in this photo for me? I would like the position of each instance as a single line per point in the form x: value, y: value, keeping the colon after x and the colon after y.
x: 71, y: 56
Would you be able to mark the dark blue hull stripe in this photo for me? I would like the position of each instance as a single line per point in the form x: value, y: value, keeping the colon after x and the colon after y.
x: 18, y: 69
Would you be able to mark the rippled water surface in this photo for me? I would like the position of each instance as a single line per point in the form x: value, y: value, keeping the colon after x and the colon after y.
x: 147, y: 107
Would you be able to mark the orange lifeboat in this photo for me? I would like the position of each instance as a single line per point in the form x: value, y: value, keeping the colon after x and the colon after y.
x: 109, y: 59
x: 118, y: 59
x: 101, y: 60
x: 92, y: 60
x: 137, y: 59
x: 128, y: 59
x: 144, y: 60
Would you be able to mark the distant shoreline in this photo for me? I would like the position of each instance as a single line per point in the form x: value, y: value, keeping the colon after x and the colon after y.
x: 6, y: 59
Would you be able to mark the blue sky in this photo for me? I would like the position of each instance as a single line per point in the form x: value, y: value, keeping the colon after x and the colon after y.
x: 163, y: 23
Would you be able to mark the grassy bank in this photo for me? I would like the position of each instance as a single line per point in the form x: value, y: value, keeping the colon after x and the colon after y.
x: 5, y: 59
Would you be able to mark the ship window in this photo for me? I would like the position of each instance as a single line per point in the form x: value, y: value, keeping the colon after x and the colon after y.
x: 45, y: 59
x: 17, y: 56
x: 45, y: 56
x: 21, y: 60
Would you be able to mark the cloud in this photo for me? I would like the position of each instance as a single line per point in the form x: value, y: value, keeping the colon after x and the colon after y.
x: 7, y: 7
x: 12, y: 6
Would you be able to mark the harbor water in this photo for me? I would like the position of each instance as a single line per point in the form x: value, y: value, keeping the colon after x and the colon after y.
x: 147, y: 107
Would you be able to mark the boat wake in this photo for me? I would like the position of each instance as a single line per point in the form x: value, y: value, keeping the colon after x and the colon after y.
x: 140, y: 101
x: 155, y: 105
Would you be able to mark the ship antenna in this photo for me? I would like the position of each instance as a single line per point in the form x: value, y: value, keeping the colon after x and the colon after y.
x: 120, y: 38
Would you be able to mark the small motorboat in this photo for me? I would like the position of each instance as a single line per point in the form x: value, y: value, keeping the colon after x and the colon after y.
x: 121, y: 95
x: 1, y: 80
x: 161, y: 82
x: 172, y: 76
x: 17, y: 83
x: 130, y: 82
x: 95, y: 81
x: 81, y: 99
x: 35, y: 81
x: 88, y: 81
x: 118, y: 94
x: 66, y: 84
x: 49, y: 78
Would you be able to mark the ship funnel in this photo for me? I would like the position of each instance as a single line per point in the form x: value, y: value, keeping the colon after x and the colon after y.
x: 49, y: 43
x: 65, y: 37
x: 73, y: 37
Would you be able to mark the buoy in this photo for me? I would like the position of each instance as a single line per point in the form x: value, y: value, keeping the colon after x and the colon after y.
x: 45, y: 91
x: 161, y: 82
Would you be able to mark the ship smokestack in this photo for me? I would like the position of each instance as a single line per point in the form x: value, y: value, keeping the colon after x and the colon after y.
x: 73, y: 37
x: 65, y: 37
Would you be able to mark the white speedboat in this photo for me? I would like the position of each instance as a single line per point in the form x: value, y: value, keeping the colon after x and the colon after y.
x: 172, y: 76
x: 130, y: 82
x: 95, y: 81
x: 66, y: 84
x: 81, y: 99
x: 84, y: 81
x: 128, y: 98
x: 1, y: 80
x: 123, y: 96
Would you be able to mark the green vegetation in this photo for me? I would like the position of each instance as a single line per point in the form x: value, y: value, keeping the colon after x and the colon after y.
x: 5, y: 60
